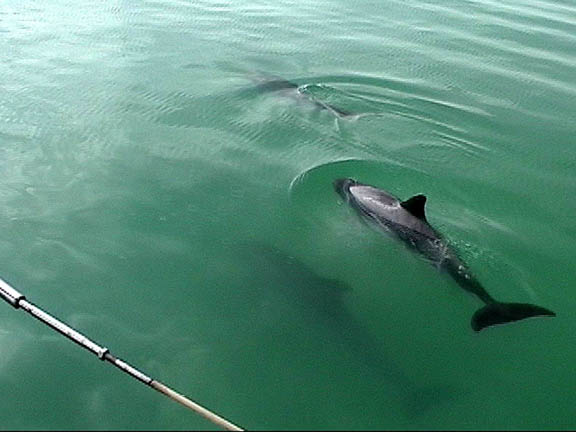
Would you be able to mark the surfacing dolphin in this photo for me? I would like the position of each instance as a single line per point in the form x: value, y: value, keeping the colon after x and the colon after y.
x: 276, y: 84
x: 407, y: 221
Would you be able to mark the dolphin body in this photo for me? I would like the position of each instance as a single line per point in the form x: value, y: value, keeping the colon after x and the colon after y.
x: 319, y: 302
x: 406, y: 220
x: 276, y: 84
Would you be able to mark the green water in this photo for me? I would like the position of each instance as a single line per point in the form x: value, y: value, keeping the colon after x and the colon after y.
x: 156, y: 197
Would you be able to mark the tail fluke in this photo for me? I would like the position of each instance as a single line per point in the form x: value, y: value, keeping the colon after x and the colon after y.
x: 501, y: 313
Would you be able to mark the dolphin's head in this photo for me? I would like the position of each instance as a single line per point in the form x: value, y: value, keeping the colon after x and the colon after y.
x: 342, y: 186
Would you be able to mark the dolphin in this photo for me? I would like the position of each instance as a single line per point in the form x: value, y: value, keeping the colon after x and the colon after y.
x: 276, y: 84
x: 406, y: 220
x: 320, y: 302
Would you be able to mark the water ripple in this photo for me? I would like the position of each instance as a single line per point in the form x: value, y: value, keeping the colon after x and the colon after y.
x: 137, y: 144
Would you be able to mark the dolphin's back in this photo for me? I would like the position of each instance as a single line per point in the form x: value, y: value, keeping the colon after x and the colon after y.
x: 276, y: 84
x: 386, y: 210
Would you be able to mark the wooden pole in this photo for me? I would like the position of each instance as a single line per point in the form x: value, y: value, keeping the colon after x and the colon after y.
x: 17, y: 300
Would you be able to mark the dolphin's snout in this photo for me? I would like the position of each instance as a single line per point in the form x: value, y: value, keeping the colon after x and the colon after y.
x: 342, y: 186
x: 343, y: 183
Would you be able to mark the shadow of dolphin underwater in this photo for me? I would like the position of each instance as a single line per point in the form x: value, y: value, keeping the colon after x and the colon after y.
x: 321, y: 303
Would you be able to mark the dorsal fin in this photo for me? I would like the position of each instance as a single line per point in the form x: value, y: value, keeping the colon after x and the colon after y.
x: 415, y: 206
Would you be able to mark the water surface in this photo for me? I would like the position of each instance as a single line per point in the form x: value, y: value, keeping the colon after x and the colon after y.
x: 157, y: 198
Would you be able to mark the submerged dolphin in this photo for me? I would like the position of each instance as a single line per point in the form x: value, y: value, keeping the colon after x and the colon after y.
x: 275, y: 84
x: 320, y: 302
x: 407, y: 221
